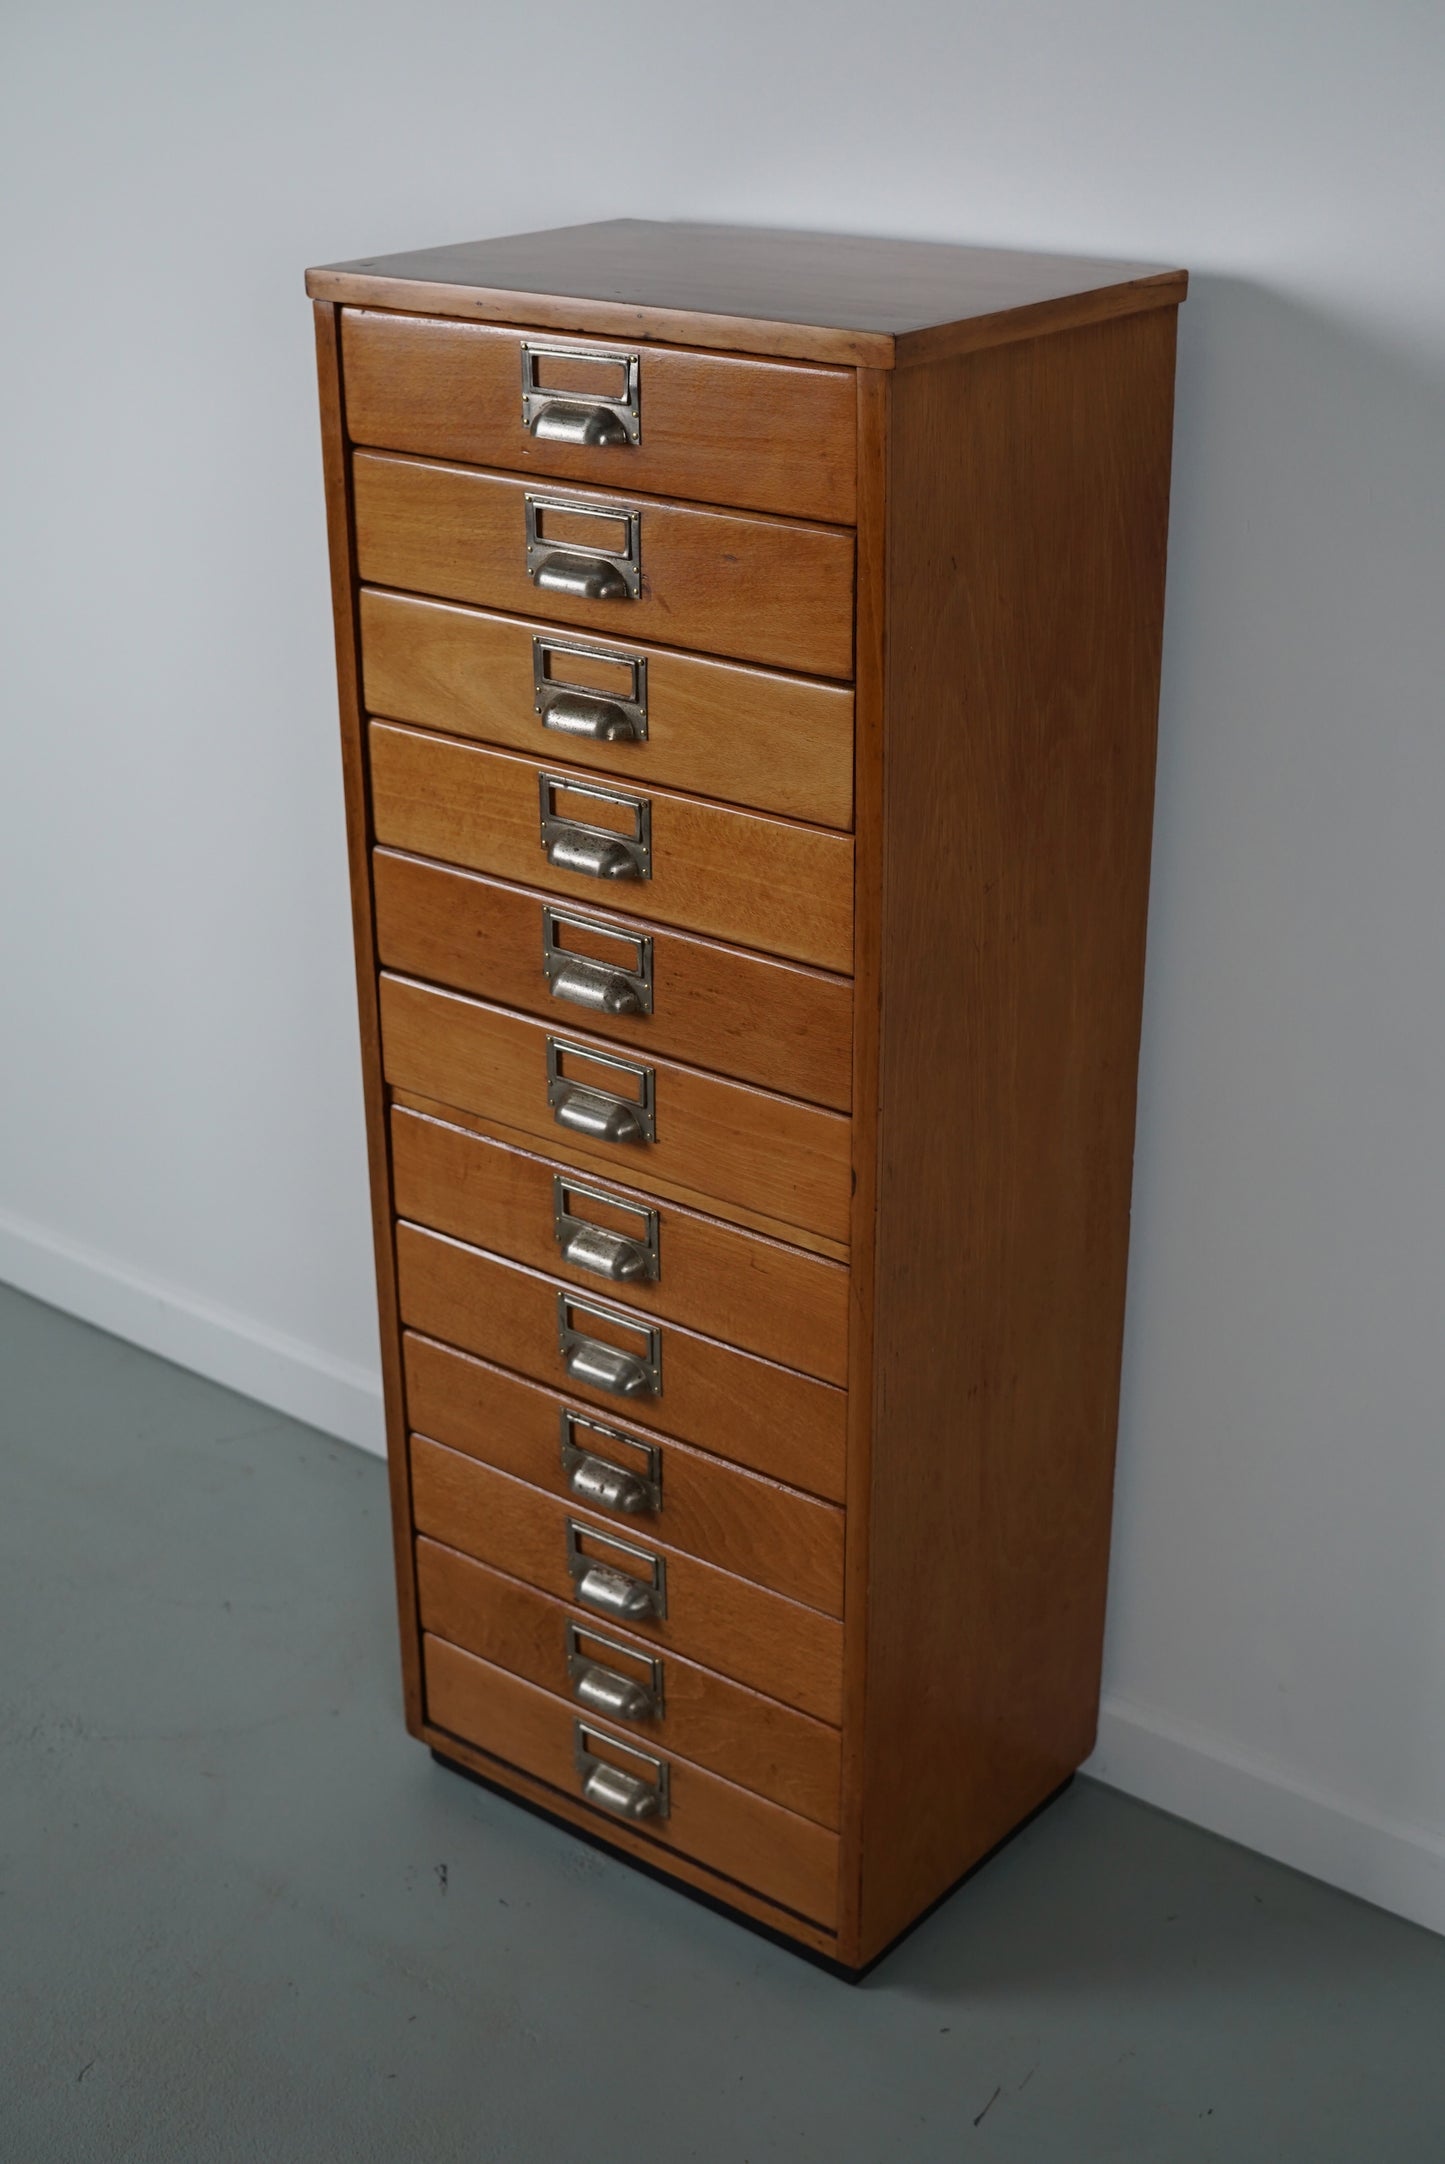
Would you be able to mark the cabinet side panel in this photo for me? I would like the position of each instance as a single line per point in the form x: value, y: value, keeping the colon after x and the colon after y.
x: 358, y: 841
x: 1027, y: 524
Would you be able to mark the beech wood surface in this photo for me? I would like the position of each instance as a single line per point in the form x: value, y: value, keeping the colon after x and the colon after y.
x: 725, y: 582
x: 861, y: 300
x: 784, y: 1856
x: 747, y: 1525
x: 772, y: 1419
x: 875, y: 388
x: 717, y: 1142
x: 740, y: 1629
x: 760, y: 435
x: 768, y: 884
x: 739, y: 1014
x: 769, y: 1748
x: 1016, y: 833
x: 777, y: 1301
x: 358, y: 844
x: 781, y: 744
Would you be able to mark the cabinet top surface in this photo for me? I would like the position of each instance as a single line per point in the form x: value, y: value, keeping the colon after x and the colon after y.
x: 810, y: 296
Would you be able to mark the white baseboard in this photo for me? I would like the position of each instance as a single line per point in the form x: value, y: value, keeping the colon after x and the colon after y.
x: 214, y: 1341
x: 1195, y: 1775
x: 1265, y: 1807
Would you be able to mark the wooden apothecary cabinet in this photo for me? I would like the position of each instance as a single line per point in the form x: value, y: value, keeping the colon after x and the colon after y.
x: 749, y: 658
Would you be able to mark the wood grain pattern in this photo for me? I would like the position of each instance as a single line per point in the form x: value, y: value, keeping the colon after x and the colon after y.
x: 717, y: 1142
x: 631, y: 1847
x: 1028, y: 512
x: 777, y: 1301
x: 760, y: 589
x: 747, y: 1525
x: 781, y: 744
x: 788, y: 1858
x: 760, y: 435
x: 768, y: 884
x: 729, y: 1624
x: 358, y: 844
x: 772, y: 1749
x: 745, y: 1015
x: 861, y: 301
x: 772, y: 1419
x: 874, y: 418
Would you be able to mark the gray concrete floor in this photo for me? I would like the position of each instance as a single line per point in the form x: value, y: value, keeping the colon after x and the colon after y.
x: 243, y: 1917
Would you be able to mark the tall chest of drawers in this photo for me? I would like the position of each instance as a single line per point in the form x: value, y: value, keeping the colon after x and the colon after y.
x: 749, y: 654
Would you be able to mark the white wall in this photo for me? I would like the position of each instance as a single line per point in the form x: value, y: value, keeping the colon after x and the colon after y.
x: 182, y: 1152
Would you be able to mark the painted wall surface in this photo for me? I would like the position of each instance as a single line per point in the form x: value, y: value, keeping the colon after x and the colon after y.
x: 179, y: 1102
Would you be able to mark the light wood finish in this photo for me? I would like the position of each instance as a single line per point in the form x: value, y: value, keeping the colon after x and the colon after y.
x: 944, y: 817
x: 770, y: 1299
x: 566, y: 1810
x: 760, y: 589
x: 781, y: 744
x: 737, y: 876
x: 772, y: 1749
x: 740, y: 1629
x: 757, y: 434
x: 874, y: 416
x: 1043, y: 471
x: 866, y: 301
x: 358, y: 844
x: 772, y: 1419
x: 788, y: 1858
x: 747, y: 1525
x: 717, y: 1142
x: 740, y: 1014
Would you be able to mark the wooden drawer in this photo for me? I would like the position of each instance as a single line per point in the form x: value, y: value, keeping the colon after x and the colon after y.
x: 742, y: 1630
x: 777, y: 1301
x: 789, y: 1859
x: 777, y: 1421
x: 740, y: 1014
x: 728, y: 582
x: 772, y: 1749
x: 765, y: 435
x: 764, y: 883
x: 742, y: 1523
x: 778, y: 743
x: 720, y: 1143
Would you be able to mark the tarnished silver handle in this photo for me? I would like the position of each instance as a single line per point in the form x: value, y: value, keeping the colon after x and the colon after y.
x: 617, y: 1593
x: 602, y: 1690
x: 574, y: 850
x: 573, y: 714
x: 592, y: 426
x: 594, y: 985
x: 620, y: 1793
x: 604, y: 1367
x: 593, y: 1112
x: 607, y: 1254
x: 609, y: 1487
x: 584, y: 578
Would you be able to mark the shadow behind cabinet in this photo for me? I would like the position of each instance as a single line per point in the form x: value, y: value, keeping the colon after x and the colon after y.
x: 749, y: 649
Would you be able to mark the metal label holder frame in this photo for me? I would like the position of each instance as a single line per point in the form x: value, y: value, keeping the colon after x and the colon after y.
x: 626, y: 410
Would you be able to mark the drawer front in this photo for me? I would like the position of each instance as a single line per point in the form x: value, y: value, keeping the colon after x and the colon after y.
x: 658, y: 1699
x: 773, y: 1023
x: 777, y: 1301
x: 765, y: 435
x: 763, y: 883
x: 781, y: 744
x: 719, y: 1143
x: 738, y: 1521
x: 726, y: 582
x: 778, y: 1422
x: 742, y: 1630
x: 787, y: 1858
